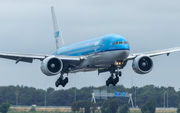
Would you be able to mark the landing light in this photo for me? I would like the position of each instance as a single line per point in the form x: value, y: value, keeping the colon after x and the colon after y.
x: 118, y: 63
x: 81, y: 58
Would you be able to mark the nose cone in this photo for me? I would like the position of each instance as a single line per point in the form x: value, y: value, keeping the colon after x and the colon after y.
x: 121, y: 54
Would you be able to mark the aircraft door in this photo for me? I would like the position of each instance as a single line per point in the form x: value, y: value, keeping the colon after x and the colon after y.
x: 103, y: 45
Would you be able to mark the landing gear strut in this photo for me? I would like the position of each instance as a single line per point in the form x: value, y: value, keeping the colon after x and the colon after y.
x: 61, y: 81
x: 114, y: 78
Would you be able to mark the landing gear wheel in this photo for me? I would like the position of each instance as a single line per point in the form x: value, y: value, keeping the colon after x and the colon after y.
x: 62, y: 82
x: 107, y: 82
x: 114, y: 83
x: 113, y: 79
x: 116, y: 79
x: 57, y: 83
x: 116, y: 73
x: 66, y: 80
x: 120, y: 74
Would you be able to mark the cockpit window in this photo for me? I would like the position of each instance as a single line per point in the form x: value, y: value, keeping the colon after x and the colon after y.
x: 120, y: 42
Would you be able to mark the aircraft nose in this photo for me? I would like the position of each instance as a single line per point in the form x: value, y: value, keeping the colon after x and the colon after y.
x: 126, y: 47
x: 121, y: 54
x: 124, y: 54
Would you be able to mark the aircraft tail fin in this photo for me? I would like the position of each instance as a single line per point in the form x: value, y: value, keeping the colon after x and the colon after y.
x: 57, y: 32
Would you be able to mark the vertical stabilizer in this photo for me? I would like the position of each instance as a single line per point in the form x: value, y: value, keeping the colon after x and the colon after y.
x: 57, y: 32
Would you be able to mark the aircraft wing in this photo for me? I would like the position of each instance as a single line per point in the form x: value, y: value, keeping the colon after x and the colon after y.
x: 154, y: 53
x: 30, y: 57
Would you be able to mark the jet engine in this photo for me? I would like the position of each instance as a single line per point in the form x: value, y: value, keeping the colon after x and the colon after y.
x: 142, y: 64
x: 51, y: 66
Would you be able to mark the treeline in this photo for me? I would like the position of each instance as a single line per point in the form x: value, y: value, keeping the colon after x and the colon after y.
x: 23, y: 95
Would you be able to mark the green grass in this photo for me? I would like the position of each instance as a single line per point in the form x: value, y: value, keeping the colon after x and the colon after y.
x: 55, y: 110
x: 76, y: 112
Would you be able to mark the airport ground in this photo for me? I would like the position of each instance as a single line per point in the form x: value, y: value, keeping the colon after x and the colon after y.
x: 68, y: 110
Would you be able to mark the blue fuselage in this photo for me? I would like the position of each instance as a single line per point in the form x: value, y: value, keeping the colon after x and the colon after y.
x: 111, y: 42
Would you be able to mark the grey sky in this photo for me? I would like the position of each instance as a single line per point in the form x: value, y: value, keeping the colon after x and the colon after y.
x: 26, y: 27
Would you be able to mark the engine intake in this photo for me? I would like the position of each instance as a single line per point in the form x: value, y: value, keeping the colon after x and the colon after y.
x: 51, y: 66
x: 142, y: 64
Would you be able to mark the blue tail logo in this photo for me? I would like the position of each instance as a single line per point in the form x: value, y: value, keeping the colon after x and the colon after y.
x: 56, y: 34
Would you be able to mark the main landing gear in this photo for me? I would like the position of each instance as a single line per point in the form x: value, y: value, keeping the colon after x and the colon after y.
x: 113, y: 79
x: 61, y: 81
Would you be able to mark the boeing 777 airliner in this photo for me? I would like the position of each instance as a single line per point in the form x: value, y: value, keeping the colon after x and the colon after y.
x: 108, y: 53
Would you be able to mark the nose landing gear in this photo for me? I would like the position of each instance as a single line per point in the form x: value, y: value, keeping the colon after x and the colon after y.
x: 115, y: 74
x: 113, y: 79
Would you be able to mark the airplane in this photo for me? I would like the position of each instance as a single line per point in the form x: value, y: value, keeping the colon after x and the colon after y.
x: 109, y: 53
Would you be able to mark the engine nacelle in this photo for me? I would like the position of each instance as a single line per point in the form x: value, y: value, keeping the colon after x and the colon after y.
x: 51, y: 66
x: 142, y: 64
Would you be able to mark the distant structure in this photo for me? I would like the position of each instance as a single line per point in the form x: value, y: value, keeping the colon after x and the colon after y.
x: 102, y: 94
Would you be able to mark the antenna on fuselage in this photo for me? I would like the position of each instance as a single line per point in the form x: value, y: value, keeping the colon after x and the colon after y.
x: 57, y: 31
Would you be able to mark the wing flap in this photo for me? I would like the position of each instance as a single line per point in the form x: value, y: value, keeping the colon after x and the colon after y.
x: 21, y: 57
x: 28, y: 60
x: 70, y: 60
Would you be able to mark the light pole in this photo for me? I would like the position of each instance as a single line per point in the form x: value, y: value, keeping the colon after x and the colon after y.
x: 45, y: 96
x: 75, y: 93
x: 167, y: 95
x: 164, y: 100
x: 135, y: 95
x: 17, y: 95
